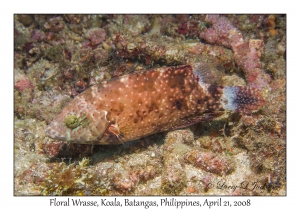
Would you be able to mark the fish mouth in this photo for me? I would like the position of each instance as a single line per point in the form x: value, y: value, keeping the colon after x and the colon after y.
x: 52, y: 133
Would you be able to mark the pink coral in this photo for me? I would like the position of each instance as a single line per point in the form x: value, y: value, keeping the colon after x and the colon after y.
x: 246, y: 54
x: 23, y: 84
x: 37, y: 35
x: 210, y: 162
x: 96, y: 35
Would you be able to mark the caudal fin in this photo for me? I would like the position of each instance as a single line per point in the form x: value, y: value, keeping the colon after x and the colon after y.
x: 241, y: 99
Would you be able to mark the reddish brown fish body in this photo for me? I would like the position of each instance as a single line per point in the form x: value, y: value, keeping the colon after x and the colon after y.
x: 141, y: 104
x: 155, y: 101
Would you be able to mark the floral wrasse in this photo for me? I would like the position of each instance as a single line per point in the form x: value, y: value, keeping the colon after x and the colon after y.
x: 140, y: 104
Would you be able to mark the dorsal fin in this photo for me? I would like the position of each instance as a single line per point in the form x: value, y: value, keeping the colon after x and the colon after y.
x: 209, y: 73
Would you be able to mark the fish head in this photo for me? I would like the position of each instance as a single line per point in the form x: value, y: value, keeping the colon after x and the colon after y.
x: 79, y: 122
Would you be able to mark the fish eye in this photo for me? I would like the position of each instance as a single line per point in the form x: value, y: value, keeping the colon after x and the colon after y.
x: 72, y: 121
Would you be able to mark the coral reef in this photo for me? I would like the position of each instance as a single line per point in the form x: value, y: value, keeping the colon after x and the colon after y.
x: 210, y: 162
x: 173, y: 176
x: 56, y: 57
x: 95, y: 35
x: 246, y: 53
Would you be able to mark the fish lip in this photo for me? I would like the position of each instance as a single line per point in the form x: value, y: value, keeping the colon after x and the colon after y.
x: 52, y: 133
x: 48, y: 129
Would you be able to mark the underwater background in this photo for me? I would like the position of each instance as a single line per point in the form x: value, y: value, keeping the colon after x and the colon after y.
x: 56, y: 57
